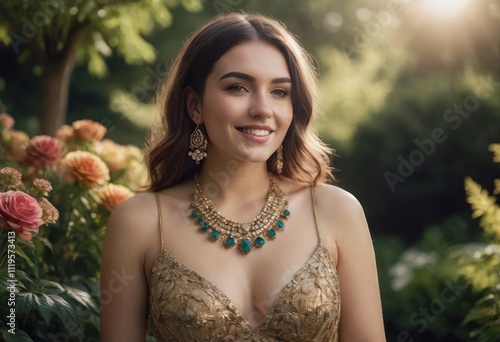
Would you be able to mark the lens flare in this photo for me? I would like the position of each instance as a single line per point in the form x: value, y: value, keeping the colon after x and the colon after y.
x: 445, y: 8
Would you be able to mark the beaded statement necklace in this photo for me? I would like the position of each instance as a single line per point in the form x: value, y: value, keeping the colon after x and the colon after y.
x: 245, y: 235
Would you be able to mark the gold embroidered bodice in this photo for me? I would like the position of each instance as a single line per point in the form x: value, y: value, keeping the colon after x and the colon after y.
x: 184, y: 306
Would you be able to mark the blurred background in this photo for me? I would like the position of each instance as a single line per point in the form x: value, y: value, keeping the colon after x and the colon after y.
x: 411, y: 100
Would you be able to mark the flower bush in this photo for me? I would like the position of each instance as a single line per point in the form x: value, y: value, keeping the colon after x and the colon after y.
x: 56, y: 195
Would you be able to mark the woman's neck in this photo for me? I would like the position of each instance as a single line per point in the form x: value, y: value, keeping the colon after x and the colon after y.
x: 234, y: 181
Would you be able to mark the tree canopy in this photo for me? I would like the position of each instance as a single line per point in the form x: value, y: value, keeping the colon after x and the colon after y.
x: 56, y: 33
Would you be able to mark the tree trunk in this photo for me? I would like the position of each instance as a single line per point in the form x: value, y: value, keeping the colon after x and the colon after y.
x: 56, y: 77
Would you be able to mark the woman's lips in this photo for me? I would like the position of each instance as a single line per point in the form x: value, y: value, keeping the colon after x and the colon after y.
x: 257, y: 135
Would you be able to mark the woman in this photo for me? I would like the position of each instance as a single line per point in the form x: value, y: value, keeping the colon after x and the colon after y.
x: 239, y: 238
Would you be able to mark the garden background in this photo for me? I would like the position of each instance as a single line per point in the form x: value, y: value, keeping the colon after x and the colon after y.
x: 410, y: 91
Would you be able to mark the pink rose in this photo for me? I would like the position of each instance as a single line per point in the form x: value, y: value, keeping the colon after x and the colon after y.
x: 42, y: 151
x: 20, y: 212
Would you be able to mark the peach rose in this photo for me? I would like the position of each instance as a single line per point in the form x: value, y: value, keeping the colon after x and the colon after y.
x: 20, y: 212
x: 42, y: 151
x: 113, y: 194
x: 17, y: 142
x: 113, y: 154
x: 86, y: 168
x: 89, y: 130
x: 65, y: 133
x: 6, y: 121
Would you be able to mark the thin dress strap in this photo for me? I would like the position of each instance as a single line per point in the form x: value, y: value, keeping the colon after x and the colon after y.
x: 160, y: 218
x: 315, y: 209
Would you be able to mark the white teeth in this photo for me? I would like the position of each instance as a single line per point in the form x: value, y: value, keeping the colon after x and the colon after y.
x: 257, y: 132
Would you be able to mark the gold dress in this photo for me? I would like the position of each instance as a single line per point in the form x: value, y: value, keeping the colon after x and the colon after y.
x: 184, y: 306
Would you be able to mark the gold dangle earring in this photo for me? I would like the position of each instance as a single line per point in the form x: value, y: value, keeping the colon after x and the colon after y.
x: 279, y: 160
x: 198, y: 145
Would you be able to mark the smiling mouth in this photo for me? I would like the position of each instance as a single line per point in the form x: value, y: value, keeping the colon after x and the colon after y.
x: 256, y: 132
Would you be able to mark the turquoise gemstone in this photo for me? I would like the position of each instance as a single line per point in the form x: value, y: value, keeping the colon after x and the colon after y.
x: 286, y: 212
x: 229, y: 242
x: 199, y: 221
x: 280, y: 224
x: 205, y: 227
x: 259, y: 241
x: 245, y: 246
x: 271, y: 233
x: 194, y: 213
x: 214, y: 235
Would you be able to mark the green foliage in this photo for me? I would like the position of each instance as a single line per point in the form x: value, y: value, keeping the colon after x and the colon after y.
x: 422, y: 294
x: 407, y: 186
x: 481, y: 266
x: 352, y: 89
x: 44, y: 28
x: 446, y: 277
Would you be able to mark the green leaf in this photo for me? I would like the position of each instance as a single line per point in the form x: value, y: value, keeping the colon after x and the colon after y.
x: 66, y: 313
x: 196, y: 5
x: 82, y: 297
x: 51, y: 287
x: 24, y: 302
x: 19, y: 336
x: 22, y: 254
x: 44, y: 306
x: 4, y: 35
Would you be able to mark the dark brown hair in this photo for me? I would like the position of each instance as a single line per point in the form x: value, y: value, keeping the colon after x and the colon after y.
x: 306, y: 158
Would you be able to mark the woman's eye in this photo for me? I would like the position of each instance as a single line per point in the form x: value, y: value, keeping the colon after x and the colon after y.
x: 237, y: 88
x: 280, y: 92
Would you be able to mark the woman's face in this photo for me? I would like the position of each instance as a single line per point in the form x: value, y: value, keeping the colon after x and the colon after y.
x: 246, y: 107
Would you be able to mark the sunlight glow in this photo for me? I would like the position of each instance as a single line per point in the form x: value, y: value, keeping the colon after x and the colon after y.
x: 444, y: 8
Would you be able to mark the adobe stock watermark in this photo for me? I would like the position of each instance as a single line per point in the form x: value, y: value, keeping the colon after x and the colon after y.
x: 11, y: 282
x: 454, y: 117
x: 421, y: 318
x: 374, y: 28
x: 32, y: 26
x: 115, y: 285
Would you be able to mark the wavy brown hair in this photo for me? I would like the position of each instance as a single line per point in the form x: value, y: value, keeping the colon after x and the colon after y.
x: 306, y: 157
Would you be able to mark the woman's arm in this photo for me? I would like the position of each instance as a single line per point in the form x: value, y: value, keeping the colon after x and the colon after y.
x: 361, y: 310
x: 124, y: 291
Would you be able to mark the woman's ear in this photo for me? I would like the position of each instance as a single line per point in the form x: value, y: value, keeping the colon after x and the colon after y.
x: 193, y: 105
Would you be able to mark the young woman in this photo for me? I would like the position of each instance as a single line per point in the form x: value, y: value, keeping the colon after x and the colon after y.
x: 239, y: 237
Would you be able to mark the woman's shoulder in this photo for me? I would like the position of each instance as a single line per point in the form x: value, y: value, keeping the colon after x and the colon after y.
x: 139, y: 207
x: 333, y: 195
x: 144, y: 206
x: 341, y: 208
x: 134, y: 219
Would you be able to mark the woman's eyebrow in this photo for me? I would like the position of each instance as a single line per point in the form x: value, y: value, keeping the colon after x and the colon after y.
x: 253, y: 79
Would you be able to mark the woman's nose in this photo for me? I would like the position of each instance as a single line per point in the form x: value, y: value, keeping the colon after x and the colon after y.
x: 260, y: 105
